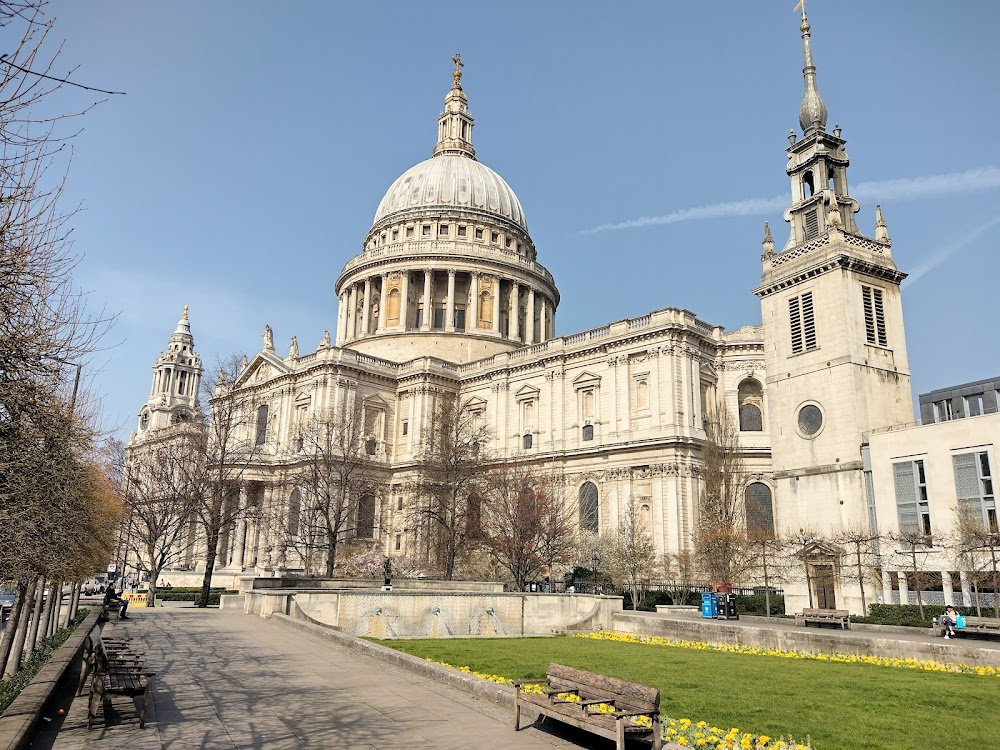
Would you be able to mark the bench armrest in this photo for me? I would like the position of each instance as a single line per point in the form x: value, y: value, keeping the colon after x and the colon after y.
x: 625, y: 714
x: 518, y: 683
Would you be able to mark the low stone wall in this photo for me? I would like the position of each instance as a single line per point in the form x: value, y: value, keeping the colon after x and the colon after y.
x: 20, y: 721
x: 405, y: 614
x: 249, y: 583
x: 863, y: 643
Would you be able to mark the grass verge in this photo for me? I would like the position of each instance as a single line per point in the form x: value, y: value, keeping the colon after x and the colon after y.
x: 840, y: 706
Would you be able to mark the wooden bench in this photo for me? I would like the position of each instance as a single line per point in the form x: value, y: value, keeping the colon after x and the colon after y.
x: 574, y: 695
x: 109, y: 608
x: 822, y: 616
x: 975, y: 627
x: 117, y: 668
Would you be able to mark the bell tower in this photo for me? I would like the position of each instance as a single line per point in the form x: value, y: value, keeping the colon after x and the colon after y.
x: 835, y: 349
x: 173, y: 396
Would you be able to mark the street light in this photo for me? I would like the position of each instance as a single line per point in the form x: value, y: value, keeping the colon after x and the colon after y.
x: 596, y: 560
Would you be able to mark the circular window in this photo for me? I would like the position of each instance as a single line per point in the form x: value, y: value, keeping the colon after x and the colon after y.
x: 810, y: 420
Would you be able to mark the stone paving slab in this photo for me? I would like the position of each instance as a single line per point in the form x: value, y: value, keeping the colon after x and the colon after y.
x: 228, y: 681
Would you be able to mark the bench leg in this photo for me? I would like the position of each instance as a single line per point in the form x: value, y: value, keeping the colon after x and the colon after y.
x: 517, y: 709
x: 145, y: 702
x: 657, y: 733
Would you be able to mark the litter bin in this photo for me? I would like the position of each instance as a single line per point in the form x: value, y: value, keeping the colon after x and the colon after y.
x: 727, y: 607
x: 708, y: 606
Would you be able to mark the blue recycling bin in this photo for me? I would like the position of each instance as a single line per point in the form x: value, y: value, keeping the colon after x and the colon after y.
x: 709, y: 606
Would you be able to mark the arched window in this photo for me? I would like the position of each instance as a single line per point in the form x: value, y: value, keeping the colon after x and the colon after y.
x: 262, y: 425
x: 751, y: 400
x: 392, y: 309
x: 760, y: 512
x: 588, y: 507
x: 366, y: 516
x: 588, y: 432
x: 294, y: 512
x: 486, y: 310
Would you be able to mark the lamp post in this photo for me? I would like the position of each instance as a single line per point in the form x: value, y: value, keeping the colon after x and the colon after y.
x: 595, y: 560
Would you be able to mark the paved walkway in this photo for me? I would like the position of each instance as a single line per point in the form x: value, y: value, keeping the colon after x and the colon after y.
x: 228, y: 680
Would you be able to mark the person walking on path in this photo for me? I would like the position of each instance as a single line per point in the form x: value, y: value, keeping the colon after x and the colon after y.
x: 112, y: 596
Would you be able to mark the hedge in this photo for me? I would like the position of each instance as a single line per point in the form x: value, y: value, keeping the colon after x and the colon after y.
x: 191, y: 594
x: 12, y: 686
x: 907, y: 615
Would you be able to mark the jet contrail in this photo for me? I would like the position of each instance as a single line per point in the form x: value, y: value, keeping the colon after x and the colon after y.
x: 940, y: 257
x: 983, y: 178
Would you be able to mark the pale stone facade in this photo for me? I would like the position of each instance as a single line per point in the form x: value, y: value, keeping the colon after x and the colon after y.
x: 448, y: 297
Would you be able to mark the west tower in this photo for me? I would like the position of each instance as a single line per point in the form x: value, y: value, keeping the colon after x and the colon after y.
x: 835, y: 350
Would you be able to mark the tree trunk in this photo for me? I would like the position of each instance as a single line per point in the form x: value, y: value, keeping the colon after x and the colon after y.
x: 211, y: 552
x: 35, y: 631
x: 55, y: 596
x: 21, y: 594
x: 74, y: 603
x: 767, y: 584
x: 861, y: 582
x: 20, y: 633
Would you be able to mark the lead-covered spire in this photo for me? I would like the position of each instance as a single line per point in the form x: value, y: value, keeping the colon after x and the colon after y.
x: 812, y: 113
x: 455, y: 123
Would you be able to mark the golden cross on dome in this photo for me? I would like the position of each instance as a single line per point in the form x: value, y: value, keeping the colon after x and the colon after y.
x: 457, y: 59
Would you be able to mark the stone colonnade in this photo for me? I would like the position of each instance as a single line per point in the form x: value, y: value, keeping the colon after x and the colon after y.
x: 444, y: 300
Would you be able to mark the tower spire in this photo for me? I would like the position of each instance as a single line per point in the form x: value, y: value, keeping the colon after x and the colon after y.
x: 812, y: 113
x: 455, y: 123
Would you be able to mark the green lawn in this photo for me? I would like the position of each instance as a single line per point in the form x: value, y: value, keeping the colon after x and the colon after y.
x: 840, y: 706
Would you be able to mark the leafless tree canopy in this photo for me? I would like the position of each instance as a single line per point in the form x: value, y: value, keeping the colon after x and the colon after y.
x: 336, y: 474
x: 449, y: 489
x: 58, y: 509
x: 721, y: 538
x: 632, y: 552
x: 526, y: 524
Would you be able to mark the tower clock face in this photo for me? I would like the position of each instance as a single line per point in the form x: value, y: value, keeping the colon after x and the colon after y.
x: 810, y: 420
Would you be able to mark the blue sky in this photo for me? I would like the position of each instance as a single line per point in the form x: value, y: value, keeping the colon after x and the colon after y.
x: 244, y: 165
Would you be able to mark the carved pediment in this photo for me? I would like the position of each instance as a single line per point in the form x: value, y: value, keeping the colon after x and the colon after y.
x: 263, y: 367
x: 526, y: 392
x: 586, y: 380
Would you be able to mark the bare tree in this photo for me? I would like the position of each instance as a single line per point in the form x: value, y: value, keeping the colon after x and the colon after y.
x: 632, y: 552
x: 978, y: 547
x: 797, y: 547
x: 526, y: 523
x: 159, y: 506
x: 209, y: 458
x: 339, y: 470
x: 914, y: 542
x: 766, y: 558
x: 721, y: 539
x: 448, y: 489
x: 861, y: 544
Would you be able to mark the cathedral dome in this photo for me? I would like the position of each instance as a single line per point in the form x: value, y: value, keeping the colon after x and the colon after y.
x: 451, y: 181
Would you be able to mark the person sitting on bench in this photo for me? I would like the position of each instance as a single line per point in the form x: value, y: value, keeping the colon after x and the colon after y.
x: 111, y: 596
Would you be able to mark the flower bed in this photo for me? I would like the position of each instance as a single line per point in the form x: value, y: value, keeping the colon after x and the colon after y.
x: 679, y: 731
x: 737, y: 648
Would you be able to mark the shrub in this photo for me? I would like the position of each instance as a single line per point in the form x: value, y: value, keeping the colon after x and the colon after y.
x: 191, y: 594
x: 12, y: 687
x: 756, y: 604
x: 907, y: 615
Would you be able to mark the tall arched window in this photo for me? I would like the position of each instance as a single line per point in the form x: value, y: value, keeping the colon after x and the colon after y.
x: 751, y: 400
x: 366, y: 516
x: 760, y: 511
x: 588, y: 507
x: 294, y: 512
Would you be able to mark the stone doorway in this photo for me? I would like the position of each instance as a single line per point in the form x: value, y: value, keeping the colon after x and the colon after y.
x: 824, y: 587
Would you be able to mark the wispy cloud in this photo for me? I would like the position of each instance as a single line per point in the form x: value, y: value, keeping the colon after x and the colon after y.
x: 942, y: 255
x: 984, y: 178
